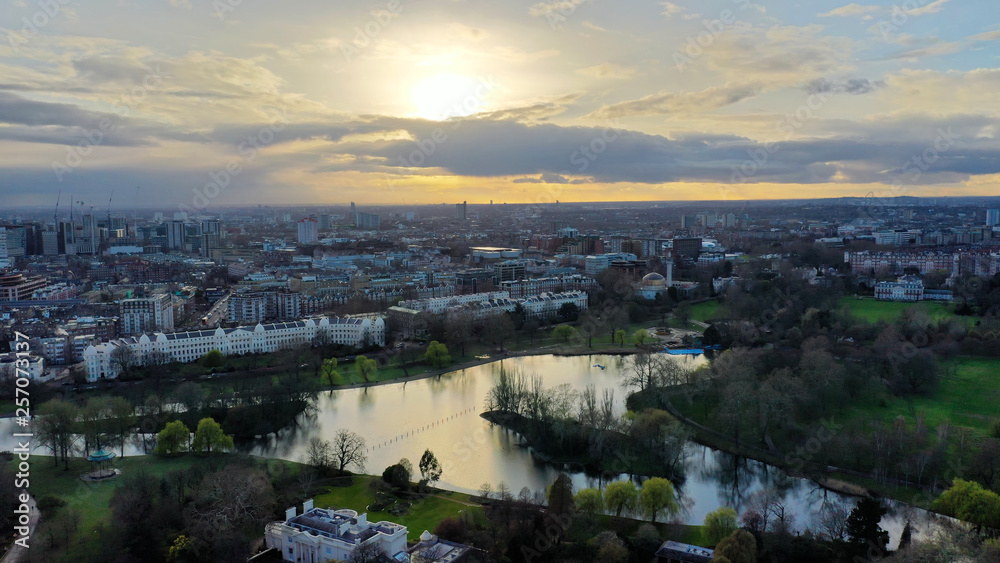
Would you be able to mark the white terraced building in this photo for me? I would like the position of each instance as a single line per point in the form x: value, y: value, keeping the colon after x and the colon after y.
x: 257, y: 339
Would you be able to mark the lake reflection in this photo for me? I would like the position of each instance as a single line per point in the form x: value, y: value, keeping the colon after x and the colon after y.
x: 442, y: 414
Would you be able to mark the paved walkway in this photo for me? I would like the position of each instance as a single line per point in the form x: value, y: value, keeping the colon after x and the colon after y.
x: 16, y: 552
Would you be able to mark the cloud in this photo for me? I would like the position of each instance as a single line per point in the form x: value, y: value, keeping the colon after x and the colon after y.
x: 186, y: 4
x: 932, y: 8
x: 850, y: 10
x: 987, y: 36
x: 556, y: 9
x: 778, y: 55
x: 684, y: 102
x: 670, y: 9
x: 540, y: 111
x: 608, y: 70
x: 550, y: 178
x: 18, y: 110
x: 849, y: 86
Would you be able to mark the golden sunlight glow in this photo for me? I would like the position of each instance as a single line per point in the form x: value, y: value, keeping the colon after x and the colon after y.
x: 446, y: 95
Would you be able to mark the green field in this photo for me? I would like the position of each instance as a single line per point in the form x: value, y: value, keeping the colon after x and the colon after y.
x: 424, y: 513
x: 874, y: 311
x: 969, y: 396
x: 705, y: 311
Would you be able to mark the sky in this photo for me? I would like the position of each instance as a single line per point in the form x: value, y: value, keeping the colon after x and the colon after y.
x: 197, y: 103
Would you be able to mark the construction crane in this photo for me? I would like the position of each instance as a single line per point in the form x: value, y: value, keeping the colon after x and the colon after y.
x: 55, y: 215
x: 109, y: 209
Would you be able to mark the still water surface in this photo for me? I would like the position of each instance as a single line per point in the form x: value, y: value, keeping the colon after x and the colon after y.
x: 442, y: 414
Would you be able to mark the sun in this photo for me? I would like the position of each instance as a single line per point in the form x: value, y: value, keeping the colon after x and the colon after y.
x: 446, y: 95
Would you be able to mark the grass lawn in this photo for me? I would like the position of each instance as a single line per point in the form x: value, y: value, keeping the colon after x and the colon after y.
x: 873, y: 311
x: 705, y: 311
x: 424, y: 514
x: 968, y: 396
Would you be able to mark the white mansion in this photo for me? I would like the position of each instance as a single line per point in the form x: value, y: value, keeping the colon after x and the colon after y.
x: 320, y: 535
x: 261, y: 338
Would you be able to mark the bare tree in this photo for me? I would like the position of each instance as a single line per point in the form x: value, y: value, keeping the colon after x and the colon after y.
x: 367, y: 553
x: 123, y: 360
x: 319, y: 454
x: 349, y: 449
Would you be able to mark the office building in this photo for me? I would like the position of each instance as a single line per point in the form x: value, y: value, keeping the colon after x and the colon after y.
x: 17, y: 287
x: 147, y: 314
x: 308, y: 231
x: 368, y: 221
x: 176, y: 233
x: 461, y: 211
x: 992, y: 217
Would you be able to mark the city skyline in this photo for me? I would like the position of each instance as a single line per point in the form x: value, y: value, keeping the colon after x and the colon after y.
x: 402, y: 102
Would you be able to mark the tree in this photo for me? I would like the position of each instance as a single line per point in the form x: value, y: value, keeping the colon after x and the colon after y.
x: 437, y: 355
x: 55, y: 427
x: 683, y: 312
x: 620, y: 337
x: 969, y: 501
x: 319, y: 454
x: 739, y: 547
x: 329, y: 370
x: 500, y: 328
x: 399, y: 474
x: 212, y: 359
x: 589, y: 501
x: 905, y: 537
x: 863, y: 528
x: 173, y: 438
x: 560, y: 495
x: 209, y: 436
x: 123, y: 360
x: 121, y: 421
x: 565, y: 332
x: 349, y: 449
x: 367, y: 553
x: 719, y: 524
x: 621, y: 496
x: 641, y: 337
x: 569, y: 312
x: 365, y: 367
x: 657, y: 496
x: 430, y: 468
x: 191, y: 395
x: 611, y: 548
x: 227, y: 501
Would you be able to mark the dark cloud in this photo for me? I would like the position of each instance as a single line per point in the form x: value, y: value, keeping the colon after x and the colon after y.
x: 18, y: 110
x: 851, y: 86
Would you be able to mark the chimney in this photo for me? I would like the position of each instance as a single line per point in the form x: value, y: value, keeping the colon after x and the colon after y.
x: 307, y: 506
x: 290, y: 513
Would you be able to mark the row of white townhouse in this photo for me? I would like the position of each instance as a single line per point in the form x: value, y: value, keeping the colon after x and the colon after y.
x: 261, y: 338
x: 536, y: 307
